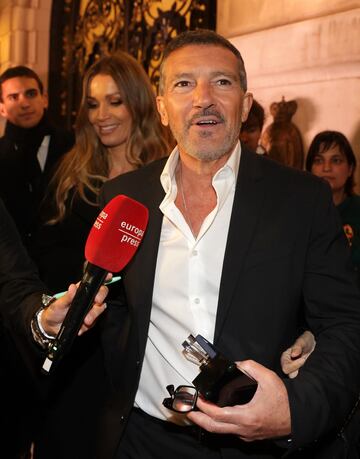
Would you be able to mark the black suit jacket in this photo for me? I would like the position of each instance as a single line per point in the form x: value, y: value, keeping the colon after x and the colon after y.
x: 20, y: 198
x: 286, y: 262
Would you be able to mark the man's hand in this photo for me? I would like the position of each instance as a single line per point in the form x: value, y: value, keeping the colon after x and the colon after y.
x: 267, y: 415
x: 294, y: 358
x: 54, y: 315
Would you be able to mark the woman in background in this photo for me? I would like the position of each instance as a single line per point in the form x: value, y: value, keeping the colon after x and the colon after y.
x: 117, y: 130
x: 331, y: 157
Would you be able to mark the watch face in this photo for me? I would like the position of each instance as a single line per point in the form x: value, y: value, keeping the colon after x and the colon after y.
x: 46, y: 300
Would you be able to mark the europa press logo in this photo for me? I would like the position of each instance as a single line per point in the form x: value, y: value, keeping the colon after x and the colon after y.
x: 100, y: 219
x: 130, y: 234
x: 116, y: 234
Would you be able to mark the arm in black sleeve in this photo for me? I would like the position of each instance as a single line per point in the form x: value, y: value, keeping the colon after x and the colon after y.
x: 327, y: 387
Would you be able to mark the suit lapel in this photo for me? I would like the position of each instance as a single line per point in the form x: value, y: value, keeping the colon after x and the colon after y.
x: 141, y: 273
x: 248, y: 201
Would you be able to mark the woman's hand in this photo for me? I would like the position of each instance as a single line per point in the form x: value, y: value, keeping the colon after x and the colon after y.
x: 294, y: 358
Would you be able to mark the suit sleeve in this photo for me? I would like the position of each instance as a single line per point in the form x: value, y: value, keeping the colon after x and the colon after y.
x: 18, y: 274
x: 20, y: 290
x: 326, y: 389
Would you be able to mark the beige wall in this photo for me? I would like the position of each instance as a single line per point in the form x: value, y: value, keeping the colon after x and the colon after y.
x: 239, y: 17
x: 304, y: 50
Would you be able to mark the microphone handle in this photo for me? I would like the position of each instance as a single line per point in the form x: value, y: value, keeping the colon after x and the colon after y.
x: 83, y: 300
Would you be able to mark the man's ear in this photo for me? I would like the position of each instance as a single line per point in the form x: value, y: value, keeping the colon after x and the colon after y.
x: 46, y: 100
x: 247, y: 103
x: 162, y: 110
x: 3, y: 111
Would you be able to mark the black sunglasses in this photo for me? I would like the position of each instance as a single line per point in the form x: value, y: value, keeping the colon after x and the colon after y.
x: 182, y: 399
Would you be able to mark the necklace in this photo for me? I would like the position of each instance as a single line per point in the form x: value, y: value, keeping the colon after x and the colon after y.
x: 187, y: 217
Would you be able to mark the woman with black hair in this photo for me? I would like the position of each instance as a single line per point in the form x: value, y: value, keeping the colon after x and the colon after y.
x: 332, y: 158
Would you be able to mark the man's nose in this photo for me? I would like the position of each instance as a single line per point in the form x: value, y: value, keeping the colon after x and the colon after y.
x: 203, y: 95
x: 24, y: 100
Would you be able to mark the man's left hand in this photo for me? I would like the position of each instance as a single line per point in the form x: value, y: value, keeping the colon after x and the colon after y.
x: 267, y: 415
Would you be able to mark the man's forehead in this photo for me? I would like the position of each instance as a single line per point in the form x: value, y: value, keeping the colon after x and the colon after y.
x: 19, y: 84
x: 192, y: 50
x: 191, y: 59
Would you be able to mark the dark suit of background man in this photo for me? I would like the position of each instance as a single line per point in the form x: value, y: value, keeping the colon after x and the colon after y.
x: 29, y: 148
x: 239, y: 249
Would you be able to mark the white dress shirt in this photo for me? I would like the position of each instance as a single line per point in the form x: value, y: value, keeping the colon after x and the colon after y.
x: 186, y: 287
x: 43, y: 152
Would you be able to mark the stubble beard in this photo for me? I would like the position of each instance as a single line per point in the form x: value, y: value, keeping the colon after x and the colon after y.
x: 206, y: 152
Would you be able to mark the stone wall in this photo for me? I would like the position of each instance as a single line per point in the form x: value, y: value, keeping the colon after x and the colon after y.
x: 303, y: 50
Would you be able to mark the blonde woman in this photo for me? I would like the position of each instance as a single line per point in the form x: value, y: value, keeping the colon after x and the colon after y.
x: 117, y: 130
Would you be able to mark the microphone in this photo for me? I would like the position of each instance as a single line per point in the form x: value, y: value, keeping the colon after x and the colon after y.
x: 112, y: 242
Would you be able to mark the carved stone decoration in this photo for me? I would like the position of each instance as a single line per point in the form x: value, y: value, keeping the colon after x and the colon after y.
x: 282, y: 139
x: 84, y: 30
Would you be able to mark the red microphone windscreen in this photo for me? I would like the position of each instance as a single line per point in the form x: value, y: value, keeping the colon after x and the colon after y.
x: 116, y: 233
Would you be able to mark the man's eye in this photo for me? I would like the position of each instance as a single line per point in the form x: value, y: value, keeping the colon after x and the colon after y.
x: 182, y: 84
x: 13, y: 97
x: 31, y: 93
x: 223, y: 82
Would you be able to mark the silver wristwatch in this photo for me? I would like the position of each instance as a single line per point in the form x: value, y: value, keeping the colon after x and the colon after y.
x: 38, y: 333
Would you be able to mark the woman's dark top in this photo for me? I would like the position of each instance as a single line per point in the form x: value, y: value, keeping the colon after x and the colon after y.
x: 350, y: 215
x: 59, y: 248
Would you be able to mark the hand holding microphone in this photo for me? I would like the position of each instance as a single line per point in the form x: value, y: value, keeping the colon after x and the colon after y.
x: 54, y: 315
x: 112, y: 242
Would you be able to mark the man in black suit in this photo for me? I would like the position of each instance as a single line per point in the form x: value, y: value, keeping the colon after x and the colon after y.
x: 239, y: 249
x: 29, y: 149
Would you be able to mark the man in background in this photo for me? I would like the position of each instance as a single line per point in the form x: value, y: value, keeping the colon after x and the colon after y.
x: 29, y: 149
x: 251, y: 129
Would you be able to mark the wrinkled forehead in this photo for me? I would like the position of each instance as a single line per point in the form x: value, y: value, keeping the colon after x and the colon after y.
x: 200, y: 59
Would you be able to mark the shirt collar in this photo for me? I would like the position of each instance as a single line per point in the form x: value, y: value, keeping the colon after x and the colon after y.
x: 167, y: 177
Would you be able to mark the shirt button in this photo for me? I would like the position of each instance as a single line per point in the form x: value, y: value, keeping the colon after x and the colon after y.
x: 197, y: 300
x: 195, y: 252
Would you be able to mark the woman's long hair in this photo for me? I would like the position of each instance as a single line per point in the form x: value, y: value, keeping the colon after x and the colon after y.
x: 86, y: 166
x: 325, y: 140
